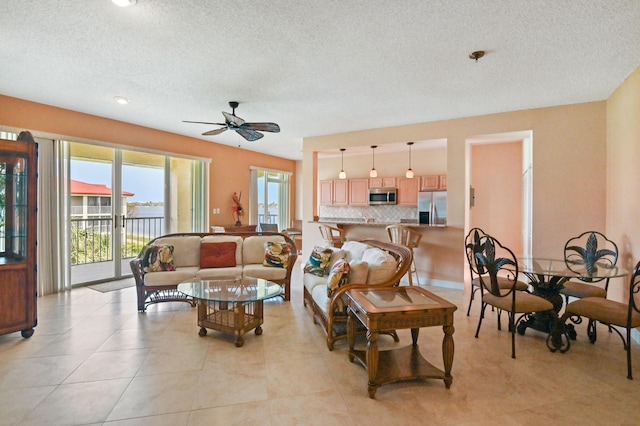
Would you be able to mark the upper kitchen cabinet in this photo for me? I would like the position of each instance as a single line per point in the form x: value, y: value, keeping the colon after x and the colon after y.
x: 433, y: 182
x: 383, y: 182
x: 359, y: 192
x: 408, y: 191
x: 334, y: 192
x: 341, y: 192
x: 326, y: 192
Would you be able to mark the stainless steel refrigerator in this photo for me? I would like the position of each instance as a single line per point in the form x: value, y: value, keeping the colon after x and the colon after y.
x: 432, y: 208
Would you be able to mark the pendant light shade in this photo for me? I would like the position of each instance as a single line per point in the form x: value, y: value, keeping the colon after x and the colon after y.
x: 409, y: 173
x: 373, y: 172
x: 342, y: 174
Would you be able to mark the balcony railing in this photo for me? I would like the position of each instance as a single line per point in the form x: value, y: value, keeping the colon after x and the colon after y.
x: 92, y: 239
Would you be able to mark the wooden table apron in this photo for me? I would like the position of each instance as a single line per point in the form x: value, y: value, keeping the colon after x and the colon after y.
x: 406, y: 363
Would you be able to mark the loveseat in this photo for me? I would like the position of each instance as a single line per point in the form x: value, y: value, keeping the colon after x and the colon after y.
x: 331, y: 272
x: 168, y: 260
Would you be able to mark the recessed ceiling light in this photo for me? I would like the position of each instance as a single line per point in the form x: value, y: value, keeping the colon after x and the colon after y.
x: 124, y: 3
x: 121, y: 100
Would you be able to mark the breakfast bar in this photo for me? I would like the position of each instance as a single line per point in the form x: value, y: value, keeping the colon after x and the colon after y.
x: 437, y: 257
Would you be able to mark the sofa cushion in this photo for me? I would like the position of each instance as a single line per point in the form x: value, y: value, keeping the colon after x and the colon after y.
x: 253, y: 247
x: 359, y: 272
x: 319, y: 295
x: 158, y: 258
x: 227, y: 238
x: 310, y: 281
x: 218, y: 273
x: 338, y: 276
x: 276, y: 254
x: 218, y: 255
x: 171, y: 277
x: 382, y: 265
x: 318, y: 260
x: 258, y: 271
x: 186, y: 249
x: 355, y: 249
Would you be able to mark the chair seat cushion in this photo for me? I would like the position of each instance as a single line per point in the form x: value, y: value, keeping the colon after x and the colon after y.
x: 581, y: 290
x: 604, y: 310
x: 504, y: 283
x: 525, y: 302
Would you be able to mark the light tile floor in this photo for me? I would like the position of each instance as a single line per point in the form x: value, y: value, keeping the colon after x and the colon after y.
x: 95, y: 360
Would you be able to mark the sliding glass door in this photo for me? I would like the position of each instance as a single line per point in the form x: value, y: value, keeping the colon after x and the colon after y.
x: 120, y: 200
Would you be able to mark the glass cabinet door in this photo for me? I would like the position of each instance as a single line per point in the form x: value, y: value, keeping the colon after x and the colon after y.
x: 13, y: 207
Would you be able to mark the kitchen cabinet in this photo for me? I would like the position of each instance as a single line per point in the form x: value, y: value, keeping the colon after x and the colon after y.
x: 18, y: 198
x: 433, y: 182
x: 326, y: 192
x: 341, y: 192
x: 334, y: 192
x: 383, y: 182
x: 408, y: 191
x: 359, y: 192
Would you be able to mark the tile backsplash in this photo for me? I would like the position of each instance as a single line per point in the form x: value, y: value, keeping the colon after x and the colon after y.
x: 377, y: 213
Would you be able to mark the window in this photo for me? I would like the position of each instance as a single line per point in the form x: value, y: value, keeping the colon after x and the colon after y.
x: 270, y: 197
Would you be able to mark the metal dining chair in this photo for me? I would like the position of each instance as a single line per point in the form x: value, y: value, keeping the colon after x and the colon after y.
x: 612, y: 313
x: 473, y: 244
x: 269, y: 227
x: 497, y: 261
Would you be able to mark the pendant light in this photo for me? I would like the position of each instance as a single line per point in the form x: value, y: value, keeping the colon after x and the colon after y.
x: 409, y: 173
x: 373, y: 172
x: 342, y: 174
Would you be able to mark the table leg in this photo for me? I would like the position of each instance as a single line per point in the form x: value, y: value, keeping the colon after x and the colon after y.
x: 372, y: 361
x: 447, y: 353
x: 414, y: 335
x: 351, y: 334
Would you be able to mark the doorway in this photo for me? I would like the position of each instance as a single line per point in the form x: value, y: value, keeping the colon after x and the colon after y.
x: 499, y: 182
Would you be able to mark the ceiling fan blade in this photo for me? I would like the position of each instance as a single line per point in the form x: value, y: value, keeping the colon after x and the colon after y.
x: 203, y: 122
x: 263, y: 127
x: 233, y: 120
x: 250, y: 135
x: 214, y: 132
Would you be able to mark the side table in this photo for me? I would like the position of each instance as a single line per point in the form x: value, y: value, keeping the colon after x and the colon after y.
x: 399, y: 308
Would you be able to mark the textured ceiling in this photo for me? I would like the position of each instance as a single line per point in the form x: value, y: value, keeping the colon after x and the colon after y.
x: 315, y: 67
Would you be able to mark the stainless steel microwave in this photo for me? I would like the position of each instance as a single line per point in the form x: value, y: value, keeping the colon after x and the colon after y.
x: 378, y: 196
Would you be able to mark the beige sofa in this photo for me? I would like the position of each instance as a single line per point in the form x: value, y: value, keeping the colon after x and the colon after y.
x: 157, y: 280
x: 384, y: 265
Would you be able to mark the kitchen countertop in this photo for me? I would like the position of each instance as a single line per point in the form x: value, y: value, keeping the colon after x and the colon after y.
x: 375, y: 223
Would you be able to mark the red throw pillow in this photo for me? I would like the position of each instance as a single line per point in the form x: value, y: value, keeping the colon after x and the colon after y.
x: 218, y: 255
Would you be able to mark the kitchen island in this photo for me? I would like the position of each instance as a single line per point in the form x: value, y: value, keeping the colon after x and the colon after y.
x: 439, y: 260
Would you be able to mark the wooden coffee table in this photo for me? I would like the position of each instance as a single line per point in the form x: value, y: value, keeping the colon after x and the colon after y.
x: 230, y: 305
x: 398, y: 308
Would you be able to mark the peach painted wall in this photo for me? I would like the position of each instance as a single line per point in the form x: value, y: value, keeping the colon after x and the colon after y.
x: 496, y: 175
x: 229, y: 170
x: 569, y: 169
x: 623, y: 176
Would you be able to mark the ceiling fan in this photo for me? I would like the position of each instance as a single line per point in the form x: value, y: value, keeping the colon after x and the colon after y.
x: 249, y: 131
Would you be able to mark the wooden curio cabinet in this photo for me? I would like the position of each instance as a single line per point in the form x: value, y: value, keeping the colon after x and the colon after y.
x: 18, y: 198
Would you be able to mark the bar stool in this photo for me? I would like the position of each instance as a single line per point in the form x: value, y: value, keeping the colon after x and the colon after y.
x: 406, y: 236
x: 333, y: 237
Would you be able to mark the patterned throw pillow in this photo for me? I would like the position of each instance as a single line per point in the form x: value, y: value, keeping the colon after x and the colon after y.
x: 158, y: 258
x: 318, y: 261
x: 276, y: 254
x: 338, y: 276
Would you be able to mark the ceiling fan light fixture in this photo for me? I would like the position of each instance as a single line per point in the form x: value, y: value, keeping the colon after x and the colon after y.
x: 342, y: 174
x: 373, y: 173
x: 409, y: 173
x: 124, y: 3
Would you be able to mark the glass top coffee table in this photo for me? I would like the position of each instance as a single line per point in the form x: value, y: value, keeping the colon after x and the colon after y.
x: 231, y: 305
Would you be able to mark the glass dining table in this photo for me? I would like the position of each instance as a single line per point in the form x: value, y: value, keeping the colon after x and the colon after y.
x: 547, y: 278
